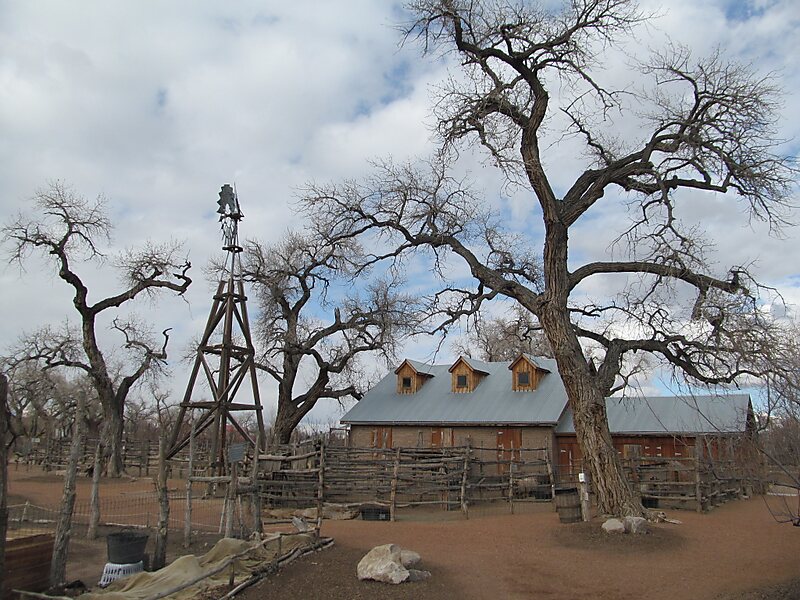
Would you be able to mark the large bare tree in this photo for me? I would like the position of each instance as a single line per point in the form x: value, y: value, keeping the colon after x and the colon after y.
x: 702, y: 128
x: 70, y: 230
x: 312, y: 333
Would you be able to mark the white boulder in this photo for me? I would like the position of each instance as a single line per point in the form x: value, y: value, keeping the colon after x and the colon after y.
x: 635, y: 525
x: 614, y: 526
x: 388, y: 563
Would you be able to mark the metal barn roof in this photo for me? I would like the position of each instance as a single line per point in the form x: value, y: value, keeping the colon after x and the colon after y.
x: 672, y: 414
x: 492, y: 402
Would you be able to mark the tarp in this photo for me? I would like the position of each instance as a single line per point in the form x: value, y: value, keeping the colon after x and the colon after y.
x: 186, y: 568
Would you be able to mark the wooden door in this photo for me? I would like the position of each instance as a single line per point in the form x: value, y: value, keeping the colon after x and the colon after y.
x: 382, y: 437
x: 509, y: 441
x: 437, y: 437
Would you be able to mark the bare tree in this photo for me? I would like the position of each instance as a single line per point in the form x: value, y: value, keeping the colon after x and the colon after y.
x: 502, y: 338
x: 161, y: 482
x: 63, y: 533
x: 69, y: 229
x: 7, y: 435
x: 311, y: 358
x: 704, y: 125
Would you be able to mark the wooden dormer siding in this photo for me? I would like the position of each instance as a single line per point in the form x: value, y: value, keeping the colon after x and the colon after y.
x: 464, y: 378
x: 409, y: 380
x: 527, y: 368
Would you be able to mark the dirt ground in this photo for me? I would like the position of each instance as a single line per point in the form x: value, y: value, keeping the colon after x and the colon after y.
x: 735, y: 552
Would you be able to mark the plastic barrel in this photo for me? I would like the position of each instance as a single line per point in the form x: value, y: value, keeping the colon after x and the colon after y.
x: 126, y: 547
x: 568, y: 504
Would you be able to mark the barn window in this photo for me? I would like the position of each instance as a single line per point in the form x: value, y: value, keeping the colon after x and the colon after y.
x: 523, y: 378
x: 461, y: 381
x: 406, y: 383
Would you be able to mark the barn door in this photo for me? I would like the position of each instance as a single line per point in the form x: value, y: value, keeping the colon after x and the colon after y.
x: 437, y: 437
x: 509, y: 441
x: 382, y: 437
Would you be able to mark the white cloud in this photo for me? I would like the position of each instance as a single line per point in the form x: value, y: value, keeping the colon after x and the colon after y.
x: 155, y: 105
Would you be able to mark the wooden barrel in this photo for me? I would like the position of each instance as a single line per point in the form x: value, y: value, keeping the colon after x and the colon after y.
x: 568, y: 504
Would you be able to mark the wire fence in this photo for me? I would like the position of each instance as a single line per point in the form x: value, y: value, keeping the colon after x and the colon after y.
x: 139, y: 510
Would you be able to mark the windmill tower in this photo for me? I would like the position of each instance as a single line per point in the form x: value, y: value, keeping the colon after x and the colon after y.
x: 225, y: 356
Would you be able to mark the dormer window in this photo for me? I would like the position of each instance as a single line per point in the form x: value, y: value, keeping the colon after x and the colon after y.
x: 466, y: 375
x: 411, y: 376
x: 526, y: 373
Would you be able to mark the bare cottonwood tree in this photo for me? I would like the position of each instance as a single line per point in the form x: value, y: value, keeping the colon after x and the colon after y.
x: 7, y: 435
x: 63, y: 533
x: 68, y: 229
x: 502, y: 337
x: 310, y: 356
x: 704, y: 125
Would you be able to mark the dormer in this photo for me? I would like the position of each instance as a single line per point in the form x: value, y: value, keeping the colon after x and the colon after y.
x: 466, y: 374
x: 411, y: 376
x: 526, y: 374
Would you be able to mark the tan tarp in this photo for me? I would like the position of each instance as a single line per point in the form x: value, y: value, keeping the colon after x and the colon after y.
x: 186, y: 568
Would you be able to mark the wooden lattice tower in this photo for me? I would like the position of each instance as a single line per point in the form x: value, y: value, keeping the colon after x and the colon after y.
x: 225, y: 356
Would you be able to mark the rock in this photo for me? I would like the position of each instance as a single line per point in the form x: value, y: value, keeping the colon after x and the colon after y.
x: 635, y: 525
x: 614, y: 526
x: 389, y: 563
x: 417, y: 575
x: 408, y: 558
x: 383, y: 563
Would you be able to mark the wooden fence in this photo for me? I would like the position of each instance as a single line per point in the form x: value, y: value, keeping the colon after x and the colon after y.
x: 459, y: 477
x: 697, y: 483
x: 452, y: 478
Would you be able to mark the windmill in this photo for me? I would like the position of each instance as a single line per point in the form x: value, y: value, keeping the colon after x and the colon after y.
x: 225, y: 356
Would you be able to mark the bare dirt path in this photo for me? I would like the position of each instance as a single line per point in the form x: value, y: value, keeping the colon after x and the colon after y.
x: 727, y: 553
x: 735, y: 552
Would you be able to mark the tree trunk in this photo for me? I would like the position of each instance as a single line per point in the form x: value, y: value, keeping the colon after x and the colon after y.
x: 58, y: 566
x: 5, y: 441
x: 113, y: 439
x: 160, y: 553
x: 94, y: 509
x: 614, y: 494
x: 286, y: 421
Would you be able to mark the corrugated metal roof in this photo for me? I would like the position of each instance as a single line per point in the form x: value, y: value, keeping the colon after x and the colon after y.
x: 492, y: 402
x: 476, y: 365
x: 672, y: 414
x: 420, y: 367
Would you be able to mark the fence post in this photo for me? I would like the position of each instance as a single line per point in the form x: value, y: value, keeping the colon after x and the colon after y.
x: 393, y: 497
x: 464, y: 476
x: 187, y: 525
x: 320, y: 484
x: 255, y: 503
x: 230, y: 499
x: 511, y: 480
x: 698, y: 489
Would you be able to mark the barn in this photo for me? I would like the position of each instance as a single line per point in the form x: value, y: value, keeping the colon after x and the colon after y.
x: 523, y: 404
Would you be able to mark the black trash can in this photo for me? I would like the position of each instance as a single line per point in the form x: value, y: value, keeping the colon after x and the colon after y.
x: 126, y: 547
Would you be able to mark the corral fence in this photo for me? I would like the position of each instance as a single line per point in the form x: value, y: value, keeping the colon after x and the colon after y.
x: 315, y: 473
x: 463, y: 477
x: 140, y: 510
x: 696, y: 483
x: 453, y: 478
x: 140, y: 457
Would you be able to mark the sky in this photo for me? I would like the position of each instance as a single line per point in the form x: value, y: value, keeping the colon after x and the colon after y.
x: 155, y: 105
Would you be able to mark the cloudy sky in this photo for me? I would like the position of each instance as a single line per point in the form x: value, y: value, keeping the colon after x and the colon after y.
x: 155, y: 105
